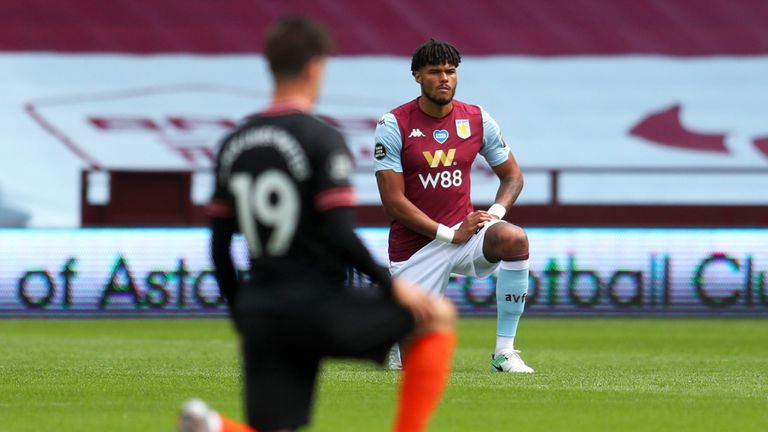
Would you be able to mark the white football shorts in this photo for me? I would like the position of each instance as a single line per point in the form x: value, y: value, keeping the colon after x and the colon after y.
x: 431, y: 266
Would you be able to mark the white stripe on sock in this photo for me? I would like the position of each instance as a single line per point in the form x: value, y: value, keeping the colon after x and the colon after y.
x: 514, y: 265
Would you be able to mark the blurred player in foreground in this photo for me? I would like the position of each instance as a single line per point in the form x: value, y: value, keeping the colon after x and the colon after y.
x: 282, y: 178
x: 423, y: 154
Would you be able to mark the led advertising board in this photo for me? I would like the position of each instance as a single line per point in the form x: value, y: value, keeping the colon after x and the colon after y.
x: 167, y: 272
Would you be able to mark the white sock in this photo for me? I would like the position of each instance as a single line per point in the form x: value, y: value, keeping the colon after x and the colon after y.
x: 214, y: 421
x: 395, y: 357
x: 504, y: 343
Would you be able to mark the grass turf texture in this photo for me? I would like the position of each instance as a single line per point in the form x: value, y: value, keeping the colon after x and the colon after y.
x: 592, y: 375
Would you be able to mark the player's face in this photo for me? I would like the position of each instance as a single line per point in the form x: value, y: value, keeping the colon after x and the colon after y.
x: 438, y: 83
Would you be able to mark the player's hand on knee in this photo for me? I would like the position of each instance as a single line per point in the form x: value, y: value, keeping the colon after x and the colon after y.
x: 471, y: 224
x: 421, y: 305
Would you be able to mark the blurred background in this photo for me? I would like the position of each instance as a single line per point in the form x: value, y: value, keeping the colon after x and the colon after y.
x: 641, y: 127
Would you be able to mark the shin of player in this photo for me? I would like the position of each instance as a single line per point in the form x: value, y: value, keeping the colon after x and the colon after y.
x: 510, y: 244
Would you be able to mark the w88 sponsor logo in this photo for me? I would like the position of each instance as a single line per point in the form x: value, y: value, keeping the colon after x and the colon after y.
x: 443, y: 179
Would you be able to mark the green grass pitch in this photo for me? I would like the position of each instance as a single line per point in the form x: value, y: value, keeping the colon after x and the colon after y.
x: 591, y: 375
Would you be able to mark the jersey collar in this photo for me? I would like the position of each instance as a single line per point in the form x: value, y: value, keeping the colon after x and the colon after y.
x: 288, y: 105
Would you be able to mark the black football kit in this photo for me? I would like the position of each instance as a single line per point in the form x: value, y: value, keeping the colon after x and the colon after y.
x: 283, y: 181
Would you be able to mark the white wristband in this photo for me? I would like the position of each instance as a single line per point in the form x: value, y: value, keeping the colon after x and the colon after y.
x: 444, y: 234
x: 497, y: 210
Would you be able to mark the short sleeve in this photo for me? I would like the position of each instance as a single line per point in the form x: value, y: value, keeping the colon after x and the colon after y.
x: 333, y: 185
x: 388, y: 145
x: 494, y: 149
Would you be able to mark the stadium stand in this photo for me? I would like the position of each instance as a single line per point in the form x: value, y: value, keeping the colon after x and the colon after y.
x: 554, y: 30
x: 521, y: 27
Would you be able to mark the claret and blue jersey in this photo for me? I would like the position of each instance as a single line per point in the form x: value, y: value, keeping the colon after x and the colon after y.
x: 435, y: 156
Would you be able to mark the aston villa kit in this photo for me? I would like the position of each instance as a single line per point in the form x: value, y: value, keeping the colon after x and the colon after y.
x: 435, y: 156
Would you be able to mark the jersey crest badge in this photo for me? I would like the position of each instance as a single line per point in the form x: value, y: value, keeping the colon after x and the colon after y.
x: 462, y: 128
x: 440, y: 135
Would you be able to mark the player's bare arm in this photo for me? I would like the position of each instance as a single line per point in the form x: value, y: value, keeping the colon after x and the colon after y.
x: 401, y: 209
x: 398, y: 207
x: 511, y: 178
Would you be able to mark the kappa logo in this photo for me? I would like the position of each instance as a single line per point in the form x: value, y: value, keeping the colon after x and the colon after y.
x: 434, y: 160
x: 416, y: 133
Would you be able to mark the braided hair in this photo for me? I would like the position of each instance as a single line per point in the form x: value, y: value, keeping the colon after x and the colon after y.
x: 435, y: 52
